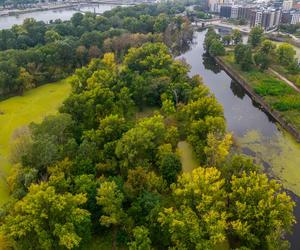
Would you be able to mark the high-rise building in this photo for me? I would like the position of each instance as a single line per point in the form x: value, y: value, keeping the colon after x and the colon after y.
x: 255, y: 18
x: 287, y: 5
x: 295, y: 18
x: 234, y: 12
x: 225, y: 11
x: 266, y: 18
x: 277, y: 17
x: 245, y: 12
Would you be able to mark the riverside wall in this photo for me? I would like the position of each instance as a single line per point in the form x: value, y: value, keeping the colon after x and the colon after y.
x: 273, y: 113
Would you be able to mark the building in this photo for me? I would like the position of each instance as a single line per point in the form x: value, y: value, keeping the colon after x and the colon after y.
x: 290, y: 17
x: 256, y: 18
x: 214, y: 5
x: 286, y: 17
x: 287, y: 5
x: 234, y: 12
x: 277, y: 17
x: 225, y: 11
x: 295, y: 18
x: 245, y: 12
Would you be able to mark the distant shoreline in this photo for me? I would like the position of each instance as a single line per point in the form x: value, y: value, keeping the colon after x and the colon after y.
x: 17, y: 12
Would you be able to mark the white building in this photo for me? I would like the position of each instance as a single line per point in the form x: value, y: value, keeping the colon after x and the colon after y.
x: 287, y: 5
x: 258, y: 18
x: 295, y: 18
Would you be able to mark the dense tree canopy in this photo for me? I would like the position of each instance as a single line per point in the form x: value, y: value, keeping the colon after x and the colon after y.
x: 108, y: 164
x: 35, y: 52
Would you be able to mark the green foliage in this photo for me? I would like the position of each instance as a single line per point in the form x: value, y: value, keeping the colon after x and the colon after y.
x: 285, y: 53
x: 209, y: 37
x: 99, y: 161
x: 199, y: 220
x: 49, y: 220
x: 141, y: 239
x: 138, y: 146
x: 35, y: 52
x: 170, y: 166
x: 216, y: 48
x: 255, y: 36
x: 110, y: 198
x: 243, y: 56
x: 265, y: 54
x: 254, y: 196
x: 226, y: 39
x: 236, y: 36
x: 272, y: 87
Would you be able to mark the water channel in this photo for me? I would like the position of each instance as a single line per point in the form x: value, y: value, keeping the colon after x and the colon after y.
x: 254, y: 131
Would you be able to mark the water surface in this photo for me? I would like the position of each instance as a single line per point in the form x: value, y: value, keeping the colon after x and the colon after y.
x: 255, y: 132
x: 7, y: 22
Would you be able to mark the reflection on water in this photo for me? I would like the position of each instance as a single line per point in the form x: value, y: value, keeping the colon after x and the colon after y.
x: 210, y: 63
x: 256, y: 133
x: 237, y: 89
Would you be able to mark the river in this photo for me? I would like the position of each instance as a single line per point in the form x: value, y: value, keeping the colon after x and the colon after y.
x: 7, y: 22
x: 254, y: 131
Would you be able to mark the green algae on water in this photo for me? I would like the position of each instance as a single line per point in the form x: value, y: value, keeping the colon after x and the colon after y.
x: 281, y: 152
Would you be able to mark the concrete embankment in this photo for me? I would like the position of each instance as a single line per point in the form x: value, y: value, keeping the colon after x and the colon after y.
x: 273, y: 113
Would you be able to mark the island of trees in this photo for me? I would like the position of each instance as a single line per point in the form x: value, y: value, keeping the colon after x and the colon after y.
x: 107, y: 166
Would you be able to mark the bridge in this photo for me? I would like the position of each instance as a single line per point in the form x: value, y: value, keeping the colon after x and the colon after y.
x: 218, y: 23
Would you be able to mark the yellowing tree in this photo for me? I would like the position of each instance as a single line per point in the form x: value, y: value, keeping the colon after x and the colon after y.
x: 261, y: 213
x: 46, y: 219
x: 111, y: 199
x: 199, y: 219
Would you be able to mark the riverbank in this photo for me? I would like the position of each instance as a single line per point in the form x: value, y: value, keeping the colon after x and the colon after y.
x: 264, y: 104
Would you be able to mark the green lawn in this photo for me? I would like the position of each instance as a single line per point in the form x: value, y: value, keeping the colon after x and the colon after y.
x: 20, y: 111
x: 275, y: 92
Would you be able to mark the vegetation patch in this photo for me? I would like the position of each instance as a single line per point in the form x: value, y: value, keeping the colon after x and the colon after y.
x: 20, y: 111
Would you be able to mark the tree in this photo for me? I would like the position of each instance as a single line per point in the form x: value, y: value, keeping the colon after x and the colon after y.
x: 226, y: 39
x: 236, y: 36
x: 168, y: 107
x: 141, y: 239
x: 169, y: 163
x: 110, y: 198
x: 140, y: 180
x: 138, y: 146
x: 216, y: 48
x: 49, y: 220
x: 209, y: 37
x: 199, y: 219
x: 264, y: 55
x: 25, y: 80
x: 52, y: 36
x: 261, y: 213
x: 161, y: 23
x: 255, y: 36
x: 243, y: 56
x: 285, y: 53
x: 217, y: 148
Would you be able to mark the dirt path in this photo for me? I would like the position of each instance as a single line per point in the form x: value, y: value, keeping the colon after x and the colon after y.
x: 285, y: 80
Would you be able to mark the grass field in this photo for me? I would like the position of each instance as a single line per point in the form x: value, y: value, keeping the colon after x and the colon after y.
x: 19, y: 111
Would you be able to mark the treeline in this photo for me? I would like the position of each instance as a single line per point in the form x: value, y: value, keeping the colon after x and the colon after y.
x: 35, y: 53
x: 104, y: 164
